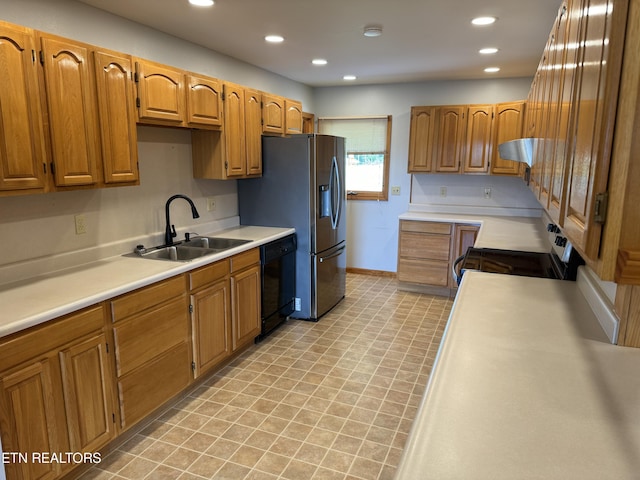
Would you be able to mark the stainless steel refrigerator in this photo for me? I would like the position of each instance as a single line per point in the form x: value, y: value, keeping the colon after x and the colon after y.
x: 302, y: 186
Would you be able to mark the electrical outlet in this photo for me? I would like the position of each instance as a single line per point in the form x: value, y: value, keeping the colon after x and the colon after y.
x: 211, y: 204
x: 443, y: 191
x: 487, y: 192
x: 81, y: 224
x: 395, y: 190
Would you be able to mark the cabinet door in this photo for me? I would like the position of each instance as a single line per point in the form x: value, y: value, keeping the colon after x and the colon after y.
x: 464, y: 237
x: 594, y: 113
x: 28, y: 419
x: 160, y: 94
x: 73, y: 118
x: 86, y: 379
x: 22, y: 147
x: 234, y: 127
x: 117, y: 115
x: 273, y: 114
x: 449, y: 138
x: 253, y: 127
x: 211, y: 326
x: 245, y: 298
x: 421, y: 139
x: 204, y: 102
x: 508, y: 126
x: 478, y: 145
x: 293, y: 117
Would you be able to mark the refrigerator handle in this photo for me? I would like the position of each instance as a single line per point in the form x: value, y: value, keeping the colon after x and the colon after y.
x: 337, y: 253
x: 335, y: 199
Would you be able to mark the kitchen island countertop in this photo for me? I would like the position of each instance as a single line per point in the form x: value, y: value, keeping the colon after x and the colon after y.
x: 526, y: 385
x: 36, y: 300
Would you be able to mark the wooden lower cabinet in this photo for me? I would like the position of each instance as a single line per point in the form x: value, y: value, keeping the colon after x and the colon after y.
x: 245, y: 293
x: 426, y: 252
x: 55, y: 393
x: 151, y: 343
x: 210, y: 316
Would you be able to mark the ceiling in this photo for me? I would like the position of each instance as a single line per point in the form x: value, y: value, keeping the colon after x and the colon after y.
x: 422, y: 39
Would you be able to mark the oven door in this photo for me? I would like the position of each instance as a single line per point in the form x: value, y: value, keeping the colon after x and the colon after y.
x: 508, y: 262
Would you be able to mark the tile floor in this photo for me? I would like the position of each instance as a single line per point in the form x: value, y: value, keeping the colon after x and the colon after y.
x: 328, y: 400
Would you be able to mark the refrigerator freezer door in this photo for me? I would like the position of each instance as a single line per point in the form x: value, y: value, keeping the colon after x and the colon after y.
x: 329, y: 277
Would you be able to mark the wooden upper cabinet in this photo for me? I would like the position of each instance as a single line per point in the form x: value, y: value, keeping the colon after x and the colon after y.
x: 449, y: 138
x: 478, y: 145
x: 594, y: 110
x: 273, y: 114
x: 235, y: 152
x: 22, y: 144
x: 293, y: 117
x: 117, y: 114
x: 161, y: 98
x: 235, y: 141
x: 72, y: 111
x: 252, y: 127
x: 421, y: 139
x: 204, y: 101
x: 509, y: 118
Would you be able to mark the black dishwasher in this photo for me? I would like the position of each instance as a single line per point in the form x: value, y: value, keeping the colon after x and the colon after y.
x: 278, y: 261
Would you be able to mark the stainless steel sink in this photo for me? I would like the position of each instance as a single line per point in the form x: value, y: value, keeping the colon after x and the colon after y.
x: 176, y: 253
x: 195, y: 247
x: 215, y: 243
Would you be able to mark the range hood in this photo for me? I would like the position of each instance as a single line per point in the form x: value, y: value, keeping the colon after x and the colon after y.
x: 520, y: 150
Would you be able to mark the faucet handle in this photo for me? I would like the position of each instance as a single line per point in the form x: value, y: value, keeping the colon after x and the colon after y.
x: 173, y: 231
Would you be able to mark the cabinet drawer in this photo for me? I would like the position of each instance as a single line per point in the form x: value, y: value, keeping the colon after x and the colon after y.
x: 150, y: 334
x: 208, y: 275
x: 245, y: 259
x: 145, y: 298
x: 426, y: 272
x: 419, y: 245
x: 22, y: 346
x: 425, y: 227
x: 144, y: 390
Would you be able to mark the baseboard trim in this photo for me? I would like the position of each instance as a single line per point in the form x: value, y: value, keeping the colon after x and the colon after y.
x: 374, y: 273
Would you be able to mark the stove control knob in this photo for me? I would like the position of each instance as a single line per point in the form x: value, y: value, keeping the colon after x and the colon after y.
x: 552, y: 228
x: 561, y: 241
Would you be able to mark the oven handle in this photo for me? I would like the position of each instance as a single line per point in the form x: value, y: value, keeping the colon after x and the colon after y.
x: 456, y: 276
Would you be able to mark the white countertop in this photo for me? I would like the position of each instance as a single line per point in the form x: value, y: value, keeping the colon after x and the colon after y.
x: 504, y: 232
x: 36, y: 300
x: 526, y: 386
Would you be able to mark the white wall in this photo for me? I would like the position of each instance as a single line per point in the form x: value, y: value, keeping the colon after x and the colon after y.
x: 372, y: 229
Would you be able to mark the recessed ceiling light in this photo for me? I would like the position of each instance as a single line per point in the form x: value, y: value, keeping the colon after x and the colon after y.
x: 349, y: 77
x: 274, y: 38
x: 488, y: 51
x: 483, y: 20
x: 372, y: 31
x: 492, y: 69
x: 319, y: 61
x: 201, y: 3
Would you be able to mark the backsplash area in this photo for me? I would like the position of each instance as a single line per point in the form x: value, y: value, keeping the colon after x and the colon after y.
x: 484, y: 191
x: 39, y: 226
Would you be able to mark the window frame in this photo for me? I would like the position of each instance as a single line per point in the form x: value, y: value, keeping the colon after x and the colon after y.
x: 382, y: 195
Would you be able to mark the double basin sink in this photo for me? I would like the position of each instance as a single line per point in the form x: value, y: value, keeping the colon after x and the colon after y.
x: 190, y: 249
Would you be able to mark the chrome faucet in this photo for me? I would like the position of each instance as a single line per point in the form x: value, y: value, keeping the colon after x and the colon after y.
x: 170, y: 230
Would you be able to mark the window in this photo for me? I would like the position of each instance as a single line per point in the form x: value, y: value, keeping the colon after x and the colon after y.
x: 368, y: 141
